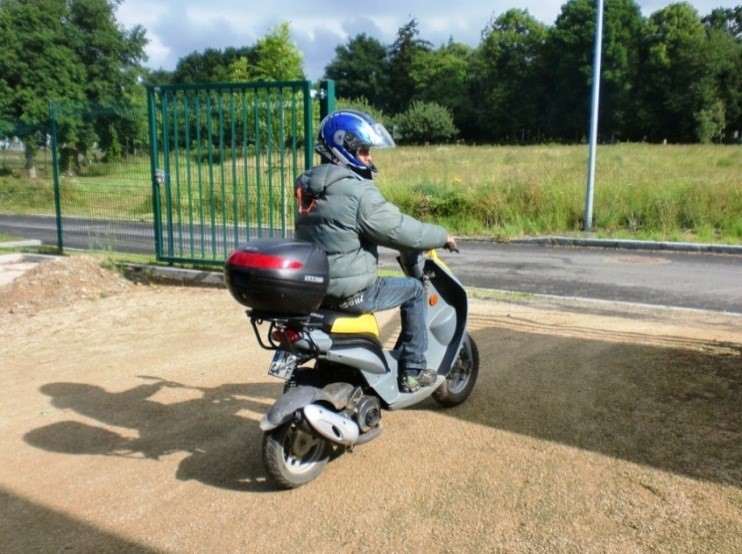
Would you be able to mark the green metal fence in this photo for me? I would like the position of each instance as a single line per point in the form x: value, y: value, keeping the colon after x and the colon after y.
x: 184, y: 174
x: 88, y: 190
x: 224, y: 158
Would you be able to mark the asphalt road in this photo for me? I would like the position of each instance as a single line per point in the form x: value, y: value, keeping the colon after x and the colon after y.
x: 679, y: 279
x: 688, y: 280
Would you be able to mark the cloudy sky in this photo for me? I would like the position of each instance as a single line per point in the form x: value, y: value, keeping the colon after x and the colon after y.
x: 176, y: 28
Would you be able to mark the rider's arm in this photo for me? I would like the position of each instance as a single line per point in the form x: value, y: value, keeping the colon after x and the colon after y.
x: 381, y: 222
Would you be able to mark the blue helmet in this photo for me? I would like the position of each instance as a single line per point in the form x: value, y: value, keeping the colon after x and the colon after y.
x: 344, y: 132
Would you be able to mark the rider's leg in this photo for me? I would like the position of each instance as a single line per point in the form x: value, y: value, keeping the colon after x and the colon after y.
x: 409, y: 295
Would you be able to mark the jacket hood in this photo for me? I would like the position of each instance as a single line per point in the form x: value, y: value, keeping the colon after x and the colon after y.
x: 317, y: 179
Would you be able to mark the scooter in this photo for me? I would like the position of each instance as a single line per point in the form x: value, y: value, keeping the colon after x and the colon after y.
x: 339, y: 377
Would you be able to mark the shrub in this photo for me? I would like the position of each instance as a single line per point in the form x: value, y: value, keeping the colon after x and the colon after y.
x: 426, y: 122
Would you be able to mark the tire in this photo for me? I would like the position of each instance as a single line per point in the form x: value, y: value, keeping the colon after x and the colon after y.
x: 463, y: 376
x: 293, y: 457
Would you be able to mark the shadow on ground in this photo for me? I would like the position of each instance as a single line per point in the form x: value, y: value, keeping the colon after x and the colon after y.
x: 28, y: 527
x: 223, y: 447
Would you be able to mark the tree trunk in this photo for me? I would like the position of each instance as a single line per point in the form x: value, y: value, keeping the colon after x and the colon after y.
x: 30, y: 163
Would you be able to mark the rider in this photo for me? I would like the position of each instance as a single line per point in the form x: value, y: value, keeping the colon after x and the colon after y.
x: 341, y: 210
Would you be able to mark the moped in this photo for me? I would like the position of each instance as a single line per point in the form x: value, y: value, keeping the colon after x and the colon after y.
x: 338, y: 374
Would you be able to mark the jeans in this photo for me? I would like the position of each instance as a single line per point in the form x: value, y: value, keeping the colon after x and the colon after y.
x: 390, y: 292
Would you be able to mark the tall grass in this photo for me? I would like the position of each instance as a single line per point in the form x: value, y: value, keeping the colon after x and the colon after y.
x: 655, y: 192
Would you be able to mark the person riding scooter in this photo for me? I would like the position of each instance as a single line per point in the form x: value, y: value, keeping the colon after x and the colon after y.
x: 341, y: 211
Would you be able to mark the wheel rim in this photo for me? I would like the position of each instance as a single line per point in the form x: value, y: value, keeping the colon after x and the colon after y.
x: 460, y: 373
x: 301, y: 451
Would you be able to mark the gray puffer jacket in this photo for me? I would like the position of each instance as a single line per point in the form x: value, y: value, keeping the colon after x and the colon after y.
x: 348, y: 219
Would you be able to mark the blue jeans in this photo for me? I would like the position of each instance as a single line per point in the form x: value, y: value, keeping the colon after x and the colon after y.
x: 387, y: 293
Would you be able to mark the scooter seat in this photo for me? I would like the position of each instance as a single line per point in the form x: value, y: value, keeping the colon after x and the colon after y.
x: 335, y: 322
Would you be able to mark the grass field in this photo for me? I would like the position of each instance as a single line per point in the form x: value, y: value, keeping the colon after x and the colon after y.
x: 677, y: 193
x: 643, y: 191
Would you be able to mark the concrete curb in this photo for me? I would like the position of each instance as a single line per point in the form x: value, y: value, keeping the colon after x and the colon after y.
x: 14, y: 257
x: 20, y: 244
x: 195, y: 276
x: 628, y: 244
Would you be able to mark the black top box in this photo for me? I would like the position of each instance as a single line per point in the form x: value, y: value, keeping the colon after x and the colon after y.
x: 278, y: 276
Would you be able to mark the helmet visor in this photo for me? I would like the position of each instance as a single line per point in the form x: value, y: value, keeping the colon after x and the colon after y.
x: 367, y: 136
x: 380, y: 137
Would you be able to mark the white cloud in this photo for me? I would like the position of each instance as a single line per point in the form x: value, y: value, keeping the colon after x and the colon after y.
x: 176, y: 29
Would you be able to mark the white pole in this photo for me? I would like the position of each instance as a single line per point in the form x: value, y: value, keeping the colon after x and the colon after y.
x: 588, y: 221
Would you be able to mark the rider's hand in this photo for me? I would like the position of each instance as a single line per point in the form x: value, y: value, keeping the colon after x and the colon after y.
x: 451, y: 244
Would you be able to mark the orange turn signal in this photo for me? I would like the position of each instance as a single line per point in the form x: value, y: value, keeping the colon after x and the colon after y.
x: 433, y: 300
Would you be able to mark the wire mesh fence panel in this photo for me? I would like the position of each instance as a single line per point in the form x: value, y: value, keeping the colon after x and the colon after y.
x: 83, y: 182
x: 27, y: 209
x: 103, y: 177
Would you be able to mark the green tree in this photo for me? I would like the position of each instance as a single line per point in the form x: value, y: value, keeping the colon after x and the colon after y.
x: 276, y: 59
x: 683, y: 99
x: 360, y: 70
x: 36, y: 62
x: 401, y: 55
x: 724, y: 28
x: 363, y: 105
x: 506, y: 89
x: 569, y: 63
x: 210, y: 66
x: 69, y: 50
x: 112, y: 57
x: 728, y: 20
x: 442, y: 76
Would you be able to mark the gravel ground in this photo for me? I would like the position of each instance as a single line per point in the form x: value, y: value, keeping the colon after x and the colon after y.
x: 128, y: 422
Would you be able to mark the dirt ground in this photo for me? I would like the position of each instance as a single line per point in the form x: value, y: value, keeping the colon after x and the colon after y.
x: 129, y: 422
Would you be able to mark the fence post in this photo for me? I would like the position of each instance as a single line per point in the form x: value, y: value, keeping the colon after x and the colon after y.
x: 308, y: 129
x: 326, y: 98
x: 153, y: 170
x: 55, y: 175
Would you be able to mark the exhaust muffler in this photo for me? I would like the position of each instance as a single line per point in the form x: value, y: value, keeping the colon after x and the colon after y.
x: 331, y: 425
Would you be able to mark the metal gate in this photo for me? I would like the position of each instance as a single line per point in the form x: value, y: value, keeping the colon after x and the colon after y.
x: 224, y: 158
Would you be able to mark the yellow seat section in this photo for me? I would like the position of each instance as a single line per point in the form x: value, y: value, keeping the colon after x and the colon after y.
x: 364, y: 323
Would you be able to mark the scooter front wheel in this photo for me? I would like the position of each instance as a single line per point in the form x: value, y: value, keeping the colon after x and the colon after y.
x: 463, y: 376
x: 293, y: 457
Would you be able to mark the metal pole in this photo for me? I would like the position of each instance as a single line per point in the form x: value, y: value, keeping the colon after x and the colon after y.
x: 588, y: 221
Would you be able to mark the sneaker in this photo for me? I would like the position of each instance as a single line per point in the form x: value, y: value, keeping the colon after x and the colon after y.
x: 426, y: 377
x: 407, y: 383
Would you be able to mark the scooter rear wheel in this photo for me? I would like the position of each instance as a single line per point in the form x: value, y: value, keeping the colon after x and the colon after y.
x: 293, y: 457
x: 463, y: 376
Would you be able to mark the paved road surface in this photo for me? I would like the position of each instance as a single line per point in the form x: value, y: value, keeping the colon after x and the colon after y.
x: 690, y: 280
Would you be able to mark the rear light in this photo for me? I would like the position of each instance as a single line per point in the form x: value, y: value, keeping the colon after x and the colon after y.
x: 285, y: 336
x: 257, y: 260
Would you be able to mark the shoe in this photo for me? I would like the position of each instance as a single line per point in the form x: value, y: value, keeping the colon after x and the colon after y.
x: 426, y: 377
x: 407, y: 383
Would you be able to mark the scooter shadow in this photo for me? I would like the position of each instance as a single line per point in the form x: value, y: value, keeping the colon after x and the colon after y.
x: 223, y: 448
